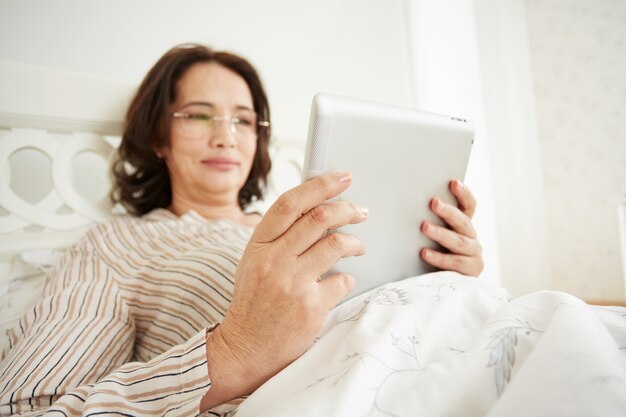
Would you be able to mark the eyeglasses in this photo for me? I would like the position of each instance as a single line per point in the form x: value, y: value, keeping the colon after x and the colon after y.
x: 201, y: 124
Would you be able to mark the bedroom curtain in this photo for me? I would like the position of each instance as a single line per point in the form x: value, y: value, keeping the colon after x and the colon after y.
x: 471, y: 59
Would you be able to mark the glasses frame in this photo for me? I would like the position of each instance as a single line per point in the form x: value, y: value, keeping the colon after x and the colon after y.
x: 212, y: 119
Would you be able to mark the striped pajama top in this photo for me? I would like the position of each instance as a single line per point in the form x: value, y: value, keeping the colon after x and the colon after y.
x: 121, y: 327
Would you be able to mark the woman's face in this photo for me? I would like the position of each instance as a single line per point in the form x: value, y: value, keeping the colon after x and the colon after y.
x: 210, y: 162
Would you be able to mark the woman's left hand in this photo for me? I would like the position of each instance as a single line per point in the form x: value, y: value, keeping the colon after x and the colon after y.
x: 460, y: 238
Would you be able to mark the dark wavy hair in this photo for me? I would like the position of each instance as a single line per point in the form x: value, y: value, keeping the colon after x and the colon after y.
x: 141, y: 179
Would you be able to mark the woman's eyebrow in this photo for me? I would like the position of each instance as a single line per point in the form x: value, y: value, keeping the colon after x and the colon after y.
x: 211, y: 105
x: 241, y: 107
x: 198, y: 103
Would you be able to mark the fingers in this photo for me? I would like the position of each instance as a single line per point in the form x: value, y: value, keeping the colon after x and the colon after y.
x: 461, y: 241
x: 454, y: 242
x: 309, y: 228
x: 328, y: 250
x: 466, y: 265
x: 453, y: 216
x: 467, y: 202
x: 335, y: 287
x: 291, y: 205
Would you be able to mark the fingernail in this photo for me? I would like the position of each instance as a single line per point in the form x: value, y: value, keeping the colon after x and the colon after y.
x: 430, y: 227
x: 460, y: 184
x: 364, y: 211
x: 343, y: 176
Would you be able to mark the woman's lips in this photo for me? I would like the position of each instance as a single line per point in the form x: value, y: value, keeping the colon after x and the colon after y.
x: 221, y: 164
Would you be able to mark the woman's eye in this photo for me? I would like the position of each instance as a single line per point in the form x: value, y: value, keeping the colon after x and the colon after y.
x: 200, y: 116
x: 242, y: 121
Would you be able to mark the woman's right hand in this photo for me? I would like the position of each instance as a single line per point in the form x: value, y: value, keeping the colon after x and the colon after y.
x: 280, y: 302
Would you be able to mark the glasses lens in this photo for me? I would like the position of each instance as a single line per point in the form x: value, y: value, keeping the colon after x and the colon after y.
x: 201, y: 123
x: 244, y: 124
x: 198, y: 123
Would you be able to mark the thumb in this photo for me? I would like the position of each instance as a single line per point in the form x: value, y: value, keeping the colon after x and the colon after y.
x: 335, y: 287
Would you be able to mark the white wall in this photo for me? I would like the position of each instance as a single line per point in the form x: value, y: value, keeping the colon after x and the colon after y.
x: 578, y: 50
x: 351, y: 47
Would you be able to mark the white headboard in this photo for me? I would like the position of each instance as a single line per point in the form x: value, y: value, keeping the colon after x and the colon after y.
x: 55, y: 184
x: 30, y: 157
x: 58, y: 132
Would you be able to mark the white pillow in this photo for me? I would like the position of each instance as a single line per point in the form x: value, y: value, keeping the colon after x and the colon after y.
x: 42, y: 259
x: 21, y: 288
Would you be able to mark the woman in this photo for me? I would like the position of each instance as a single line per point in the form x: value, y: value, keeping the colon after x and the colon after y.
x: 165, y: 312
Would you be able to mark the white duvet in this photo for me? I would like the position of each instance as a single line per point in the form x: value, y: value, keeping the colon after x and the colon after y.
x: 445, y: 345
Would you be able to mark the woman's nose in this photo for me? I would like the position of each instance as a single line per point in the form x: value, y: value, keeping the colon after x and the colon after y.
x: 222, y: 134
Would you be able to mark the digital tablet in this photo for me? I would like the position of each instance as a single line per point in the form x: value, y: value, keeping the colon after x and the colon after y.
x: 399, y: 159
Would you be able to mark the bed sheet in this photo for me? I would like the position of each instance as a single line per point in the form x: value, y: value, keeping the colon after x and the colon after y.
x: 445, y: 345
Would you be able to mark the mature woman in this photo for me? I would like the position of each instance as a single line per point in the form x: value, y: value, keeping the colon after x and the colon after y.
x: 165, y: 312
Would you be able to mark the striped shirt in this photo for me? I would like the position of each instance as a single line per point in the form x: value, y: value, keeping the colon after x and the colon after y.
x: 121, y: 327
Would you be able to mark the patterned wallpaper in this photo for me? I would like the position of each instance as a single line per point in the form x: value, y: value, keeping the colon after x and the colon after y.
x: 578, y: 52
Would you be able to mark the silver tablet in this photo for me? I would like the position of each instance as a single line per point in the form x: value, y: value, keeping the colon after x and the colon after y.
x: 399, y: 159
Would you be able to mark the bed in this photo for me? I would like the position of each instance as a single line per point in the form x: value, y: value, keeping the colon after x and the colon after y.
x: 436, y: 345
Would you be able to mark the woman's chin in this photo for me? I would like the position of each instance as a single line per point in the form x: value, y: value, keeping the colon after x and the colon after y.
x: 222, y: 186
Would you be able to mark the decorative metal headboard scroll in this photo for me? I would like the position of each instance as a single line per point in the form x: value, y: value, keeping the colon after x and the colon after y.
x: 63, y: 214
